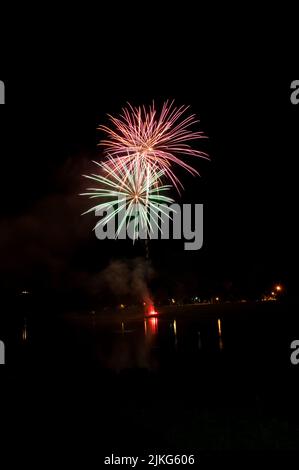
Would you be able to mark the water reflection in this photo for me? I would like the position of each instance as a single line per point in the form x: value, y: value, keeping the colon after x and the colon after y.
x: 219, y: 324
x: 150, y: 327
x: 174, y: 328
x: 24, y: 331
x: 175, y: 334
x: 153, y: 323
x: 152, y: 342
x: 146, y: 342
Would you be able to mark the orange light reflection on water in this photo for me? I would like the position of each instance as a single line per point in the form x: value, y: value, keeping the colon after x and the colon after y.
x: 150, y: 326
x: 153, y: 324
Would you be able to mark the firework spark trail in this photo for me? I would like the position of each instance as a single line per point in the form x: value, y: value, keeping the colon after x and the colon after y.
x: 133, y: 192
x: 139, y: 133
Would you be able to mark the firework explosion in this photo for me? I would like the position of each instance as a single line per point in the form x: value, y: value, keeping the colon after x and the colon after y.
x: 133, y: 193
x: 141, y: 148
x: 159, y: 140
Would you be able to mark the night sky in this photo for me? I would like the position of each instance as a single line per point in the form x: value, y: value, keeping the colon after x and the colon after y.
x: 49, y: 137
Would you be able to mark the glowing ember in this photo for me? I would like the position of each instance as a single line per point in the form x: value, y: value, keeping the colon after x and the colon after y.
x: 152, y: 311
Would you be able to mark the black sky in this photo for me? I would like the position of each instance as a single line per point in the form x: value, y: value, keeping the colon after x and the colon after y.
x: 49, y: 137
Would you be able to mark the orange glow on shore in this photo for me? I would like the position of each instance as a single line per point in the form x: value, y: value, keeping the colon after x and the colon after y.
x: 151, y: 311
